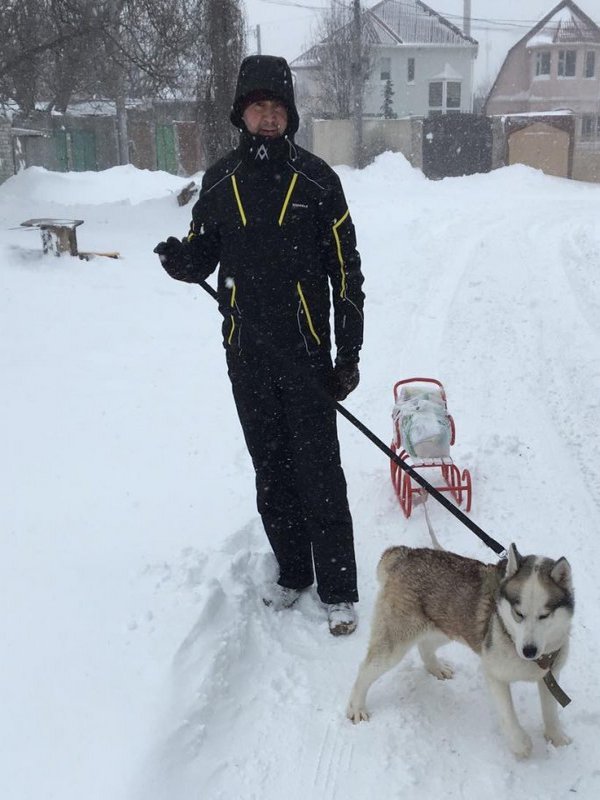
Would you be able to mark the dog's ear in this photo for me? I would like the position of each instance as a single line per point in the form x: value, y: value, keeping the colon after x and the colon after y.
x: 561, y: 573
x: 514, y: 560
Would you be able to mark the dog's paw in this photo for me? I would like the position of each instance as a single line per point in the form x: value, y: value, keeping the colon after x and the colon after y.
x: 520, y: 744
x: 356, y: 715
x: 557, y: 737
x: 440, y: 670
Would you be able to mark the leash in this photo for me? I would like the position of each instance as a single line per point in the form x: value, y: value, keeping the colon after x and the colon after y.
x: 432, y: 536
x: 441, y: 498
x: 545, y: 662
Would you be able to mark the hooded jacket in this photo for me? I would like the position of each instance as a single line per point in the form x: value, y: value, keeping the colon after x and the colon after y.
x: 268, y: 74
x: 274, y: 217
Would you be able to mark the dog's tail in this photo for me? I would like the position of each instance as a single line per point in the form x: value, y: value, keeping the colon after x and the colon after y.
x: 434, y: 540
x: 389, y: 560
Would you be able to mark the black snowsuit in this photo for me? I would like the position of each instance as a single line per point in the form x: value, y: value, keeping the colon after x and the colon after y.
x: 274, y: 217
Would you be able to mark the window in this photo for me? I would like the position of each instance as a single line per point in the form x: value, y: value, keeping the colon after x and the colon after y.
x: 385, y: 69
x: 542, y: 63
x: 410, y: 70
x: 588, y: 127
x: 567, y: 60
x: 444, y: 97
x: 590, y: 64
x: 453, y: 95
x: 436, y: 95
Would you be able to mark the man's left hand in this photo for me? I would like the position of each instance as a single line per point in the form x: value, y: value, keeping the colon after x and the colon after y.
x: 346, y: 380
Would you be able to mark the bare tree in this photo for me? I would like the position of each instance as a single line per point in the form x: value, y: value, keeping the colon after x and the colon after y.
x: 339, y: 56
x: 54, y: 50
x: 58, y: 48
x: 33, y: 33
x: 221, y: 30
x: 481, y: 95
x: 142, y: 44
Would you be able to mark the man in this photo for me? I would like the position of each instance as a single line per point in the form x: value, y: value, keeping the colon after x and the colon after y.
x: 274, y: 217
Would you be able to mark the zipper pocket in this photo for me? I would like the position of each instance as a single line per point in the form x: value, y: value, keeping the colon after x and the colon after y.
x: 305, y: 308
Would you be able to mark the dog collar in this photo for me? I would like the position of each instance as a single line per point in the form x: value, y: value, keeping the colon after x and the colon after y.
x: 547, y: 662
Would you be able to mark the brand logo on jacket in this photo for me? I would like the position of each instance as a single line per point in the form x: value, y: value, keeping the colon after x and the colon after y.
x: 299, y: 205
x: 262, y: 153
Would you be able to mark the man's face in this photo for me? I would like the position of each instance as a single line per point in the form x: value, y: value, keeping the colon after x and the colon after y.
x: 266, y: 118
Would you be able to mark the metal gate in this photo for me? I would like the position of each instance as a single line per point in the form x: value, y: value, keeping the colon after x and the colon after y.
x: 542, y: 146
x: 456, y: 144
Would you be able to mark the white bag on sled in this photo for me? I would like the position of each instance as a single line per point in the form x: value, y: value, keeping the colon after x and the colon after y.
x: 422, y: 419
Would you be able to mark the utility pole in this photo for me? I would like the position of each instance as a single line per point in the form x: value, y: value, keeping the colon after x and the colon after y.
x: 357, y: 74
x: 258, y: 40
x: 467, y: 17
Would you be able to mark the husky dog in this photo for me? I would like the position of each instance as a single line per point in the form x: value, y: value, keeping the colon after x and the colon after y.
x: 515, y: 614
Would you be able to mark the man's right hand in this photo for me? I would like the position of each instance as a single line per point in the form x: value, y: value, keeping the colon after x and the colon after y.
x: 171, y: 254
x: 175, y: 258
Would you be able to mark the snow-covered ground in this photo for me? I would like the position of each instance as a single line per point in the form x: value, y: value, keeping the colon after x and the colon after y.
x: 137, y: 658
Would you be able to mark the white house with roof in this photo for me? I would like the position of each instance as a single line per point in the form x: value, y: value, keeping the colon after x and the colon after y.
x: 428, y: 60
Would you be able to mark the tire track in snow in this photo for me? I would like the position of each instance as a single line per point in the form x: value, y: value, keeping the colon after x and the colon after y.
x: 575, y: 408
x: 581, y: 257
x: 334, y: 758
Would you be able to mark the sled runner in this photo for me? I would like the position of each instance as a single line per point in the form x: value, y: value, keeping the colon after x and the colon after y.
x: 423, y: 434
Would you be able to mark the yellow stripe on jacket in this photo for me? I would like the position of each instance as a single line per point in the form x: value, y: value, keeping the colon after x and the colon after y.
x: 287, y: 198
x: 340, y: 256
x: 238, y: 200
x: 307, y: 313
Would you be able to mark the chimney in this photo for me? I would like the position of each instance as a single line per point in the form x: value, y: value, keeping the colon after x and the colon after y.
x: 467, y: 17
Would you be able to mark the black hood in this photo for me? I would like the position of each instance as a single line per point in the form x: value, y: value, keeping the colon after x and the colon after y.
x: 269, y: 74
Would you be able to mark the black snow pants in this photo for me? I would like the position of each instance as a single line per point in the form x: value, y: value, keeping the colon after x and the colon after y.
x: 291, y: 433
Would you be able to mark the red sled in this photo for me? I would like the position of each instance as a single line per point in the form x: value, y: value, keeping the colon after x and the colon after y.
x: 423, y: 434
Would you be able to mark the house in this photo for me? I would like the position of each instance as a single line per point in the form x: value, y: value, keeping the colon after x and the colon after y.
x: 428, y: 61
x: 554, y: 69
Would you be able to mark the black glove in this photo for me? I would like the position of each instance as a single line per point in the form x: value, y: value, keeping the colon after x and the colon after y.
x: 346, y: 378
x: 172, y: 256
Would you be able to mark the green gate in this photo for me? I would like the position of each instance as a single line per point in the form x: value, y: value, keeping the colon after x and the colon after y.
x: 62, y: 150
x: 83, y: 151
x: 75, y: 150
x: 166, y: 156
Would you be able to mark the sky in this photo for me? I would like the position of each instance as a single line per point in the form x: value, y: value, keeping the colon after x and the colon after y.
x: 497, y: 25
x: 138, y: 660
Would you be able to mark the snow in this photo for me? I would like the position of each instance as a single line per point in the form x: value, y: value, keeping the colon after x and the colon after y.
x: 138, y: 660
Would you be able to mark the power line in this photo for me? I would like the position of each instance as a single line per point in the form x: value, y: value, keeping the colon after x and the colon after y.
x: 479, y: 23
x: 291, y: 3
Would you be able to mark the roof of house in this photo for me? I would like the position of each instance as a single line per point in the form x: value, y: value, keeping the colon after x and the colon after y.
x: 565, y: 24
x: 393, y: 22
